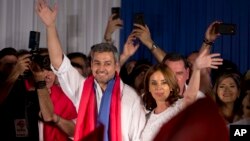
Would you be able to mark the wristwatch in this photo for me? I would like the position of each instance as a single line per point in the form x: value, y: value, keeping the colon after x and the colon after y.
x: 154, y: 46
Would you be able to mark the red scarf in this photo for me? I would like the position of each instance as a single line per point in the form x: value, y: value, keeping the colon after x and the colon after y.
x: 87, y: 114
x: 62, y: 107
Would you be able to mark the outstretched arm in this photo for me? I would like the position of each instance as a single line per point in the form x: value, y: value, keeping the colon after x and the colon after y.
x: 204, y: 60
x: 112, y: 26
x: 129, y: 49
x: 48, y: 17
x: 46, y: 105
x: 48, y: 115
x: 210, y: 36
x: 143, y: 33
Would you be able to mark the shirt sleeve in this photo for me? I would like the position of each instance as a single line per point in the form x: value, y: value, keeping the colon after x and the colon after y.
x: 71, y: 81
x: 133, y: 114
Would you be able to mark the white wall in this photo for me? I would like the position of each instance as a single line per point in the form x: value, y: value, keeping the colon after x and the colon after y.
x: 80, y: 23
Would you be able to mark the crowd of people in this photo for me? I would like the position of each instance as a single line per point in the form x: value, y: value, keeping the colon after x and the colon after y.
x: 104, y: 94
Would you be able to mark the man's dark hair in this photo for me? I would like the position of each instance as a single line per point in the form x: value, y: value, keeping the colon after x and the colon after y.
x: 8, y: 51
x: 73, y: 55
x: 77, y: 54
x: 105, y: 47
x: 175, y: 57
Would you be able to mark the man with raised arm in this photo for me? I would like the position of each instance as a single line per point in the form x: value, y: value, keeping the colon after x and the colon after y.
x: 102, y: 98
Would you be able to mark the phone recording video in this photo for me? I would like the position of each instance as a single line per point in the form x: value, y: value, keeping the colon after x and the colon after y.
x: 139, y: 19
x: 116, y: 11
x: 225, y: 29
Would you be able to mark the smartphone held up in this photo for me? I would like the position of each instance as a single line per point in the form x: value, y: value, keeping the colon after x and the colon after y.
x: 225, y: 29
x: 139, y: 19
x: 116, y: 11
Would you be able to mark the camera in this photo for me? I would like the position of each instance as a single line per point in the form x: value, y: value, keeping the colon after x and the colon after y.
x: 37, y: 56
x: 36, y: 53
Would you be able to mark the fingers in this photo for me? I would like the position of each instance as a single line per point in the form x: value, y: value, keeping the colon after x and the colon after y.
x: 214, y: 67
x: 139, y: 32
x: 111, y: 18
x: 131, y: 37
x: 214, y: 55
x: 136, y: 34
x: 215, y: 62
x: 55, y: 8
x: 130, y: 40
x: 41, y: 4
x: 24, y: 56
x: 118, y: 23
x: 140, y: 26
x: 38, y: 6
x: 137, y: 46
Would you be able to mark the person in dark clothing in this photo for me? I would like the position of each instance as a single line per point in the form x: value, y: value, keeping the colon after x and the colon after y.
x: 19, y: 104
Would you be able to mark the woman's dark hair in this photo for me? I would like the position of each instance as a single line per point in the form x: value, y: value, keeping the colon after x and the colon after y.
x: 140, y: 66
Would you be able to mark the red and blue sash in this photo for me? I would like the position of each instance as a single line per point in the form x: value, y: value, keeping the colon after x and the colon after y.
x: 110, y: 111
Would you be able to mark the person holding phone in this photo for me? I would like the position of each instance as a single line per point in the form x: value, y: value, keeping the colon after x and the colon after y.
x: 114, y: 23
x: 176, y: 62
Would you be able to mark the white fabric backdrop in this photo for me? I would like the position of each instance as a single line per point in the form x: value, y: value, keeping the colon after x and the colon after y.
x: 80, y: 23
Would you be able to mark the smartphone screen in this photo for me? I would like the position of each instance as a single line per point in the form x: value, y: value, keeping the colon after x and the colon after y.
x: 139, y: 19
x: 225, y: 29
x: 115, y: 10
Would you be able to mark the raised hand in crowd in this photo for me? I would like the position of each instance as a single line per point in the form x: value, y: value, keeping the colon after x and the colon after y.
x: 112, y: 26
x: 129, y: 49
x: 21, y: 66
x: 204, y: 60
x: 211, y: 34
x: 48, y: 16
x: 143, y: 34
x: 209, y: 38
x: 210, y: 61
x: 46, y: 13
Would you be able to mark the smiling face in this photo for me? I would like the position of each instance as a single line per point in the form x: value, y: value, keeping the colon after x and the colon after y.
x: 159, y: 87
x: 103, y: 67
x: 228, y: 90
